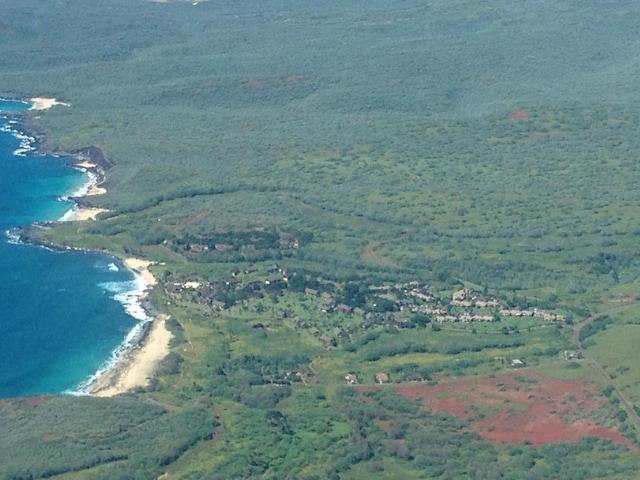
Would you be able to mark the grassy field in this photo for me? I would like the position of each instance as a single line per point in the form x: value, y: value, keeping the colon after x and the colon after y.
x: 615, y: 350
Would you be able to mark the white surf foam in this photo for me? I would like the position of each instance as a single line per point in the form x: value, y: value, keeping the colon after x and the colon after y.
x: 69, y: 215
x: 130, y: 341
x: 129, y: 294
x: 92, y: 180
x: 26, y: 141
x: 13, y: 237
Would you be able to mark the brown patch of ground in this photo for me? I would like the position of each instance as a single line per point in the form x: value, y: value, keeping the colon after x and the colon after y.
x: 518, y: 406
x: 153, y: 248
x: 190, y: 219
x: 371, y: 256
x: 519, y: 114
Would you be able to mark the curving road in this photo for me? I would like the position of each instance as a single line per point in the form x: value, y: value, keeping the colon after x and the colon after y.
x: 576, y: 341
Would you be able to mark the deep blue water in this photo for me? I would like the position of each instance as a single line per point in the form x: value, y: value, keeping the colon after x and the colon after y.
x: 62, y: 314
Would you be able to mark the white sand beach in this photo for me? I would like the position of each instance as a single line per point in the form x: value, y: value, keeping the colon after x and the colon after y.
x: 81, y: 214
x: 137, y: 366
x: 88, y: 213
x: 85, y: 164
x: 44, y: 103
x: 141, y: 267
x: 95, y: 190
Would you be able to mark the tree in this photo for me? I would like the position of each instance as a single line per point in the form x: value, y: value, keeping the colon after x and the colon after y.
x: 421, y: 319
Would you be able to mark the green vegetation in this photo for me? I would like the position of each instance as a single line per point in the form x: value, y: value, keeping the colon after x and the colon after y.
x: 332, y: 176
x: 63, y: 435
x: 614, y: 349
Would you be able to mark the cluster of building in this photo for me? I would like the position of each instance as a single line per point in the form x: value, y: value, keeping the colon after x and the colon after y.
x: 402, y: 302
x: 469, y: 306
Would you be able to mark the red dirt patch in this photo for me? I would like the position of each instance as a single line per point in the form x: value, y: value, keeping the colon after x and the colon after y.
x: 534, y: 408
x: 153, y: 248
x: 190, y: 219
x: 36, y: 401
x: 519, y: 114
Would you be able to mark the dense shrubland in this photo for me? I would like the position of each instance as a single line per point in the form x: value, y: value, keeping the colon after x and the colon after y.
x: 460, y: 145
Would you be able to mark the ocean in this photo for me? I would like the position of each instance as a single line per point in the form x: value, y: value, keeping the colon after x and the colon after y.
x: 64, y: 316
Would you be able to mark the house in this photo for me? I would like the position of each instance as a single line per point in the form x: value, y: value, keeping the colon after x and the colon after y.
x: 218, y: 304
x: 251, y: 269
x: 358, y: 311
x: 483, y: 318
x: 517, y: 363
x: 342, y: 308
x: 382, y: 378
x: 462, y: 303
x: 414, y: 377
x: 326, y: 307
x: 198, y: 248
x: 310, y: 291
x: 367, y: 324
x: 327, y: 340
x: 338, y: 332
x: 300, y: 323
x: 392, y: 323
x: 351, y: 379
x: 352, y: 327
x: 571, y: 355
x: 460, y: 294
x: 272, y: 279
x: 487, y: 304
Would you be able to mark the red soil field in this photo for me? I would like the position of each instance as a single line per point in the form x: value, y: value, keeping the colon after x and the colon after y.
x: 519, y: 114
x: 505, y: 409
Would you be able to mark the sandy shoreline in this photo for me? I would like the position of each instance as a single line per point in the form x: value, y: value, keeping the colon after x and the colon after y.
x: 81, y: 214
x: 141, y: 267
x: 88, y: 213
x: 137, y: 366
x: 45, y: 103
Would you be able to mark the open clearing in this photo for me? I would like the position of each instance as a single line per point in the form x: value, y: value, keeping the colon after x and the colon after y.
x: 518, y: 406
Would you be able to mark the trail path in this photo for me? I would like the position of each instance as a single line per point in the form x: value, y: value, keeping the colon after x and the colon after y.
x: 576, y: 340
x: 370, y: 255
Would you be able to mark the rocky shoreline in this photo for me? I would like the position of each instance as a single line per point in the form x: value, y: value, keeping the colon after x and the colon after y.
x: 138, y: 358
x: 92, y: 160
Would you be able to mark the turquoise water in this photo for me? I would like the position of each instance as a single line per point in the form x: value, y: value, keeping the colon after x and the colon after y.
x: 63, y: 315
